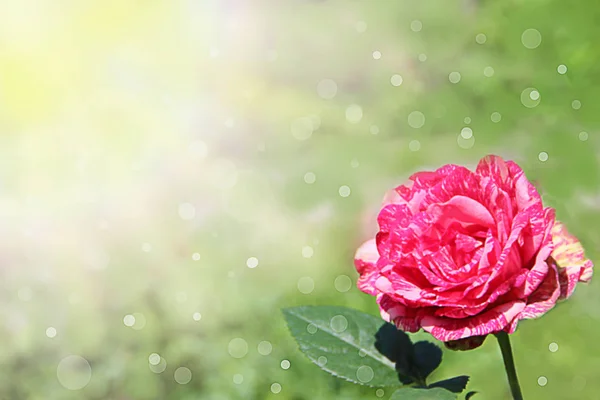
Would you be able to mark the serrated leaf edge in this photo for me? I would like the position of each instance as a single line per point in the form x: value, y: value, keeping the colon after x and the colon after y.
x: 381, y: 359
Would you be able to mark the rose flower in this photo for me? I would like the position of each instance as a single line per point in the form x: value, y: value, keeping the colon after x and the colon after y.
x: 465, y: 254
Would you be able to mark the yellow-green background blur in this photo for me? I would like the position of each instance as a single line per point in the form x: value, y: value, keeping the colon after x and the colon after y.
x: 174, y: 172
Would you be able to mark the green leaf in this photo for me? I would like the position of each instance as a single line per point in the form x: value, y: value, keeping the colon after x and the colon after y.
x: 456, y: 385
x: 397, y: 347
x: 470, y: 394
x: 342, y: 342
x: 423, y: 394
x: 428, y: 357
x: 393, y: 343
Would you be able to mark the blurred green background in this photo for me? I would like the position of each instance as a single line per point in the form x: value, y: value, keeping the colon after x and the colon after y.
x: 174, y: 172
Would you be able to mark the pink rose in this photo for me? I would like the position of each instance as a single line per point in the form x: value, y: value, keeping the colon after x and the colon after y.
x: 464, y: 254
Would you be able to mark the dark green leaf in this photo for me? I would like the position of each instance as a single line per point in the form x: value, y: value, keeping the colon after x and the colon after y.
x: 470, y: 394
x: 423, y: 394
x: 342, y: 342
x: 456, y: 385
x: 393, y: 343
x: 397, y: 347
x: 428, y: 357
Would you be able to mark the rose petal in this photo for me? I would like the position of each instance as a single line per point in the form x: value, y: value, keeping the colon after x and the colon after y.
x: 462, y: 210
x: 542, y: 300
x: 494, y: 167
x: 457, y: 181
x: 538, y: 233
x: 491, y: 321
x: 403, y: 317
x: 365, y: 262
x: 526, y: 193
x: 569, y: 255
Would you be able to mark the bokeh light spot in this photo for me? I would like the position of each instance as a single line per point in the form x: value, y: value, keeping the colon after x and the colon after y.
x: 238, y: 348
x: 252, y: 262
x: 454, y: 77
x: 154, y: 359
x: 561, y: 69
x: 327, y: 89
x: 302, y: 128
x: 265, y: 348
x: 159, y: 367
x: 344, y: 191
x: 365, y: 374
x: 465, y: 143
x: 310, y: 178
x: 416, y: 119
x: 530, y: 97
x: 307, y: 252
x: 139, y: 321
x: 416, y: 25
x: 342, y: 283
x: 74, y: 372
x: 182, y: 375
x: 276, y: 388
x: 531, y: 38
x: 396, y: 80
x: 306, y: 285
x: 338, y: 323
x: 187, y: 211
x: 354, y: 113
x: 414, y: 145
x: 129, y: 320
x: 466, y: 133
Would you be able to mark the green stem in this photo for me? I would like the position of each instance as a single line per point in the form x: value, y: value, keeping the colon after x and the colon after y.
x: 509, y: 365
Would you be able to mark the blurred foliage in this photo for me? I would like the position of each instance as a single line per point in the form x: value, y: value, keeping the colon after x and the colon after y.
x: 119, y: 117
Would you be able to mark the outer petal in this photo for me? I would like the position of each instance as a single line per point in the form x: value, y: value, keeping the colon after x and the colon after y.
x: 573, y: 266
x: 525, y: 192
x: 491, y: 321
x: 542, y: 300
x: 495, y: 168
x: 405, y: 318
x: 365, y: 262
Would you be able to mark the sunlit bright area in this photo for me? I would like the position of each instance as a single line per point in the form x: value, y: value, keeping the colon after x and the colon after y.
x: 173, y: 173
